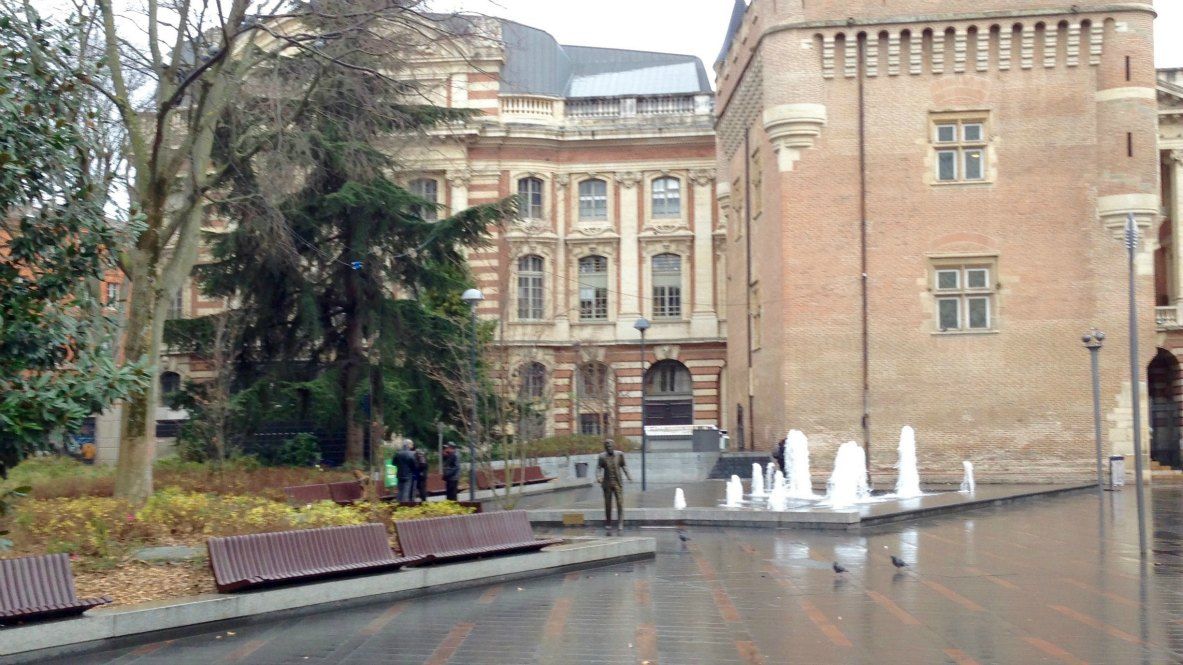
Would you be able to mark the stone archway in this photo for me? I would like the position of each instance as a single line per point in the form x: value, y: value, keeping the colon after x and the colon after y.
x: 1163, y: 378
x: 669, y: 394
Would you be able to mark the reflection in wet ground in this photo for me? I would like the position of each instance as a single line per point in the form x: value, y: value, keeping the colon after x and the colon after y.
x: 1049, y: 580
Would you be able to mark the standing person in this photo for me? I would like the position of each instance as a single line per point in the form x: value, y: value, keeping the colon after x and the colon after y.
x: 778, y: 454
x: 404, y: 464
x: 610, y: 473
x: 420, y: 474
x: 450, y: 470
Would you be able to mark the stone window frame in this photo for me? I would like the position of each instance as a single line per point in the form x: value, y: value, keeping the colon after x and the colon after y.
x: 427, y: 214
x: 541, y: 275
x: 684, y: 188
x: 963, y: 291
x: 597, y: 223
x: 682, y: 247
x: 544, y: 203
x: 678, y: 309
x: 962, y: 145
x: 581, y: 250
x: 681, y: 187
x: 577, y: 187
x: 546, y: 251
x: 595, y: 315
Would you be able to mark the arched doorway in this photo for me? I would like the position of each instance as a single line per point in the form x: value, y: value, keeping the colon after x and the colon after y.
x: 669, y: 394
x: 1163, y: 376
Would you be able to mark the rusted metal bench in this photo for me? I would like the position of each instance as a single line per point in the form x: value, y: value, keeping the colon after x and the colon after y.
x: 304, y: 494
x: 347, y: 492
x: 457, y: 537
x: 477, y: 506
x: 40, y: 587
x: 266, y: 559
x: 535, y: 475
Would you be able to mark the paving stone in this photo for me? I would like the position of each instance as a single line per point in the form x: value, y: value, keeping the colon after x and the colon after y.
x: 169, y: 554
x: 1055, y: 579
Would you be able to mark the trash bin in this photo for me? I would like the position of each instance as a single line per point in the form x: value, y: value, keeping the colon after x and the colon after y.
x: 1116, y: 472
x: 581, y: 469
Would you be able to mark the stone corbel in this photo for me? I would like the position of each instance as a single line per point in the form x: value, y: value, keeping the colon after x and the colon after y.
x: 628, y: 179
x: 702, y: 178
x: 1114, y: 210
x: 793, y: 128
x: 460, y: 178
x: 563, y: 179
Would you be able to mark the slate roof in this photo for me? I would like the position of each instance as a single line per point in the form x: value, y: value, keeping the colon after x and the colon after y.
x: 737, y: 14
x: 537, y: 64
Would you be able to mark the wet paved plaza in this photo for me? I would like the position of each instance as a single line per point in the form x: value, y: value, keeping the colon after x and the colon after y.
x: 1052, y: 580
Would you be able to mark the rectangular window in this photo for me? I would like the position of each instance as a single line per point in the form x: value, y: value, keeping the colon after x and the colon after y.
x: 593, y: 288
x: 593, y: 200
x: 530, y: 288
x: 965, y: 295
x: 530, y: 198
x: 667, y: 286
x: 591, y: 424
x: 960, y: 149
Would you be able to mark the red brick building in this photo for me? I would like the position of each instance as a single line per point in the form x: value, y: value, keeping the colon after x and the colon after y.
x: 925, y: 206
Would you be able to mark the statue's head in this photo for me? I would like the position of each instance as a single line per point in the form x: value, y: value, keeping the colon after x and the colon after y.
x: 608, y: 445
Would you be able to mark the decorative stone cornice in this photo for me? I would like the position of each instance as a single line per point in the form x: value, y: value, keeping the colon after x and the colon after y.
x: 1114, y: 211
x: 628, y: 179
x: 793, y: 128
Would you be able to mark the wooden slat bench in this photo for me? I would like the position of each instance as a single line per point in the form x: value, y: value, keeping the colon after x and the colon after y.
x: 40, y: 587
x: 304, y: 494
x: 498, y: 478
x: 474, y: 536
x: 265, y: 559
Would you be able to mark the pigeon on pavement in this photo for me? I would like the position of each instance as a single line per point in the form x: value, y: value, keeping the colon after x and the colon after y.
x: 839, y: 569
x: 898, y: 562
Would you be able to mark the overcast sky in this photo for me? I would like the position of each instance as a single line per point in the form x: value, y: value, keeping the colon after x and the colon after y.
x: 697, y: 26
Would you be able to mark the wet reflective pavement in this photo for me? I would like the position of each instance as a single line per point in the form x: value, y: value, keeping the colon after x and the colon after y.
x: 1052, y: 580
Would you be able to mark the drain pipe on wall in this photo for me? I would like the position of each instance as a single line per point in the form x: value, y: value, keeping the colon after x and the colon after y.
x: 747, y: 215
x: 862, y: 164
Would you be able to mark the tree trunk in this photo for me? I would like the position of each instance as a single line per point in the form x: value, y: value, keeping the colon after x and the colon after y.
x: 137, y: 444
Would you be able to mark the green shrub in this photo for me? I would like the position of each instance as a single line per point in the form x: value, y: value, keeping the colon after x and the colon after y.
x: 300, y: 450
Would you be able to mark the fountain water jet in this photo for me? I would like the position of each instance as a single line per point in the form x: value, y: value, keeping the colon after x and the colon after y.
x: 757, y: 480
x: 679, y: 499
x: 797, y: 459
x: 848, y: 482
x: 778, y: 498
x: 967, y: 483
x: 769, y: 469
x: 734, y: 492
x: 907, y: 486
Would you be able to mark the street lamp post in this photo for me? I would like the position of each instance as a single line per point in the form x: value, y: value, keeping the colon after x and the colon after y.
x: 642, y: 325
x: 1131, y: 243
x: 1093, y: 341
x: 473, y: 297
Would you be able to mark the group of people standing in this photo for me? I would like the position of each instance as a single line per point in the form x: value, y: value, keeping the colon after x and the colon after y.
x: 411, y: 470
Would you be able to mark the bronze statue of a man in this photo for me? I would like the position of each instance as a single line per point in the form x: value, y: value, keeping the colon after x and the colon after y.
x: 610, y: 473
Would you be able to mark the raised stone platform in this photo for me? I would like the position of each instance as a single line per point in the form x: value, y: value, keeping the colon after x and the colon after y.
x: 105, y: 628
x: 704, y: 499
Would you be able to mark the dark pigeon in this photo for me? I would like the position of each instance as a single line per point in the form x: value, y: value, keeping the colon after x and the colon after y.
x: 898, y: 562
x: 839, y: 569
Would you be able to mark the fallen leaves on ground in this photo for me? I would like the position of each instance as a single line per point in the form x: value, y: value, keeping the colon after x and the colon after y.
x: 137, y: 582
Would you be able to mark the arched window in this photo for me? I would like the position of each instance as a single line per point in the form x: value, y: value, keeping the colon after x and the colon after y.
x: 531, y: 401
x: 593, y: 288
x: 667, y: 197
x: 593, y: 199
x: 667, y: 286
x: 170, y: 384
x: 594, y: 398
x: 669, y: 394
x: 427, y: 189
x: 530, y: 198
x: 530, y: 287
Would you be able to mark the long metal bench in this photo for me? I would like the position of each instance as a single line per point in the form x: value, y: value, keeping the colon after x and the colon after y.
x: 347, y: 492
x: 499, y: 478
x: 457, y: 537
x: 265, y: 559
x: 40, y: 587
x: 305, y: 494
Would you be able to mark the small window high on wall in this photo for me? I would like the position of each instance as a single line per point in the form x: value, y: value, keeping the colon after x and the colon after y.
x: 530, y: 198
x: 593, y: 200
x: 427, y: 189
x: 667, y: 197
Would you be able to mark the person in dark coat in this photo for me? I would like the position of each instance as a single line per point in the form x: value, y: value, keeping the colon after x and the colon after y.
x: 420, y: 475
x: 404, y: 464
x: 450, y: 469
x: 778, y: 454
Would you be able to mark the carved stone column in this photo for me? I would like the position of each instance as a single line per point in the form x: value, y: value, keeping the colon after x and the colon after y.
x: 703, y: 321
x: 630, y: 278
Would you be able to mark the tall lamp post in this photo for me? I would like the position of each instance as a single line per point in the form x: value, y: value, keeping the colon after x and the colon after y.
x: 473, y: 297
x: 1093, y: 341
x: 1131, y: 243
x: 642, y: 325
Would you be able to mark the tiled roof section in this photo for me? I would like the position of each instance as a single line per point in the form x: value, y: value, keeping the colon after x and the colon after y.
x: 537, y: 64
x: 737, y: 14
